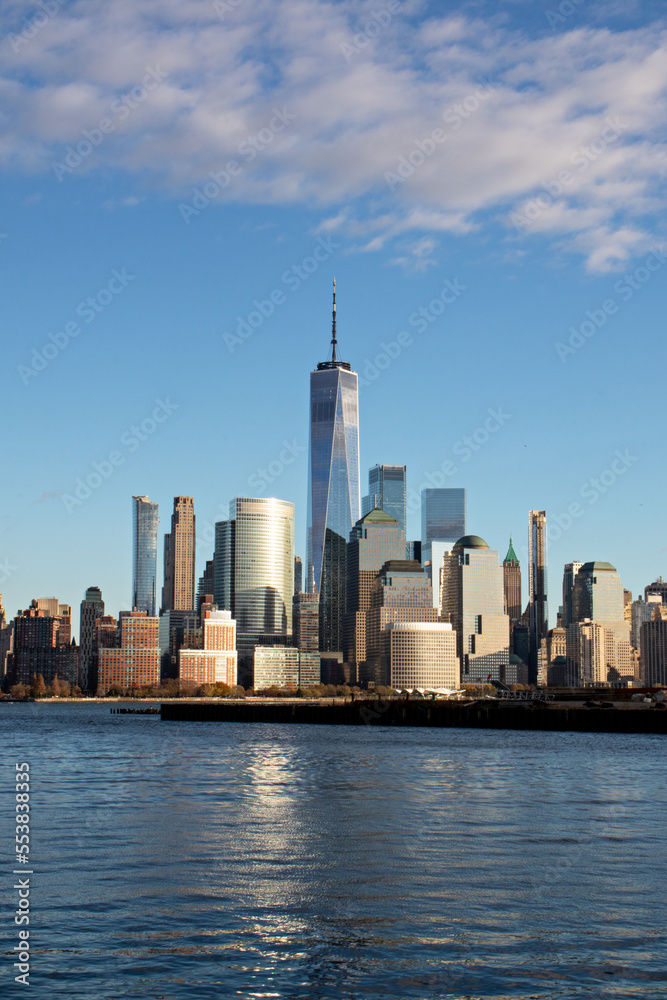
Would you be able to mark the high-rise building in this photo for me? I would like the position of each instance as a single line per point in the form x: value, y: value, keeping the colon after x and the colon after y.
x: 217, y: 661
x: 420, y: 655
x: 569, y: 576
x: 298, y: 575
x: 401, y: 593
x: 42, y: 646
x: 178, y: 591
x: 254, y: 574
x: 175, y: 629
x: 6, y: 641
x: 553, y: 659
x: 512, y: 584
x: 641, y: 612
x: 537, y: 586
x: 144, y: 554
x: 598, y: 636
x: 136, y: 663
x: 278, y: 666
x: 658, y: 589
x: 472, y: 598
x: 92, y: 608
x: 376, y: 538
x: 205, y: 587
x: 654, y: 647
x: 306, y: 622
x: 443, y: 515
x: 386, y: 490
x: 333, y: 486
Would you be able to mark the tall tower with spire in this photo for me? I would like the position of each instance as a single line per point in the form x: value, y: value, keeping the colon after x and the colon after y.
x: 512, y: 583
x: 334, y: 498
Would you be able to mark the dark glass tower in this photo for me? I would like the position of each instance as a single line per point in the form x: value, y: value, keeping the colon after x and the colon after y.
x: 144, y: 554
x: 333, y: 486
x: 386, y: 490
x: 539, y: 615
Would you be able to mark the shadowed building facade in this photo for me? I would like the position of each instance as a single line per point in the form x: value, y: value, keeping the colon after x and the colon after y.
x: 92, y: 608
x: 401, y: 593
x: 333, y: 487
x: 178, y: 591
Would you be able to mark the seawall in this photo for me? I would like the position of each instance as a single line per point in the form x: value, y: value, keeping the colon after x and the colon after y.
x: 471, y: 715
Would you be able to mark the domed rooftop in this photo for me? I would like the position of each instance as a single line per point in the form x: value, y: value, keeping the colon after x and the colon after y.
x: 598, y: 565
x: 377, y: 516
x: 471, y: 542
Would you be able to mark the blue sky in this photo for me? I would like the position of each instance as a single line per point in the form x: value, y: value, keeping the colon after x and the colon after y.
x: 177, y: 175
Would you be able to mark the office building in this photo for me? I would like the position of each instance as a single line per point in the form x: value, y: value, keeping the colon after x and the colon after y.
x: 178, y: 591
x: 401, y: 592
x: 443, y: 517
x: 333, y: 486
x: 640, y: 612
x: 654, y: 647
x: 280, y: 666
x: 656, y: 589
x: 537, y: 586
x: 175, y: 629
x: 216, y: 663
x: 254, y: 574
x: 92, y: 608
x: 512, y: 584
x: 472, y: 599
x: 298, y: 575
x: 42, y: 646
x: 6, y: 641
x: 376, y: 539
x: 205, y: 587
x: 598, y: 654
x: 420, y: 655
x: 552, y: 667
x: 386, y: 491
x: 136, y: 662
x: 569, y: 576
x: 306, y: 622
x: 144, y: 554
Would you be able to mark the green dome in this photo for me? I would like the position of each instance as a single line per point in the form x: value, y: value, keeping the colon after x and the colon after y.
x: 471, y: 542
x: 587, y: 567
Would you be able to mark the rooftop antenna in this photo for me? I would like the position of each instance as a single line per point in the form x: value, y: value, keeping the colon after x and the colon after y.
x: 333, y: 324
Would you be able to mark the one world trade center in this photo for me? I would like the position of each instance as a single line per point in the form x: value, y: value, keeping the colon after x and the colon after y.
x: 333, y: 486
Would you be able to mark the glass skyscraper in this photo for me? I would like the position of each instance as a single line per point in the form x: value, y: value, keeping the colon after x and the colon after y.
x: 386, y: 490
x: 254, y: 573
x: 443, y: 515
x: 333, y: 486
x: 144, y: 554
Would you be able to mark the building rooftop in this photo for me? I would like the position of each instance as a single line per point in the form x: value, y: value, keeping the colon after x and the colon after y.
x: 511, y: 556
x: 597, y: 565
x: 471, y: 542
x: 377, y: 516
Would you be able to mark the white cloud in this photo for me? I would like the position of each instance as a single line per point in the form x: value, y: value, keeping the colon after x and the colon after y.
x: 356, y: 120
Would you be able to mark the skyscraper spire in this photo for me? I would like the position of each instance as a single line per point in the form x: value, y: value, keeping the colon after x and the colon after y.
x: 333, y: 324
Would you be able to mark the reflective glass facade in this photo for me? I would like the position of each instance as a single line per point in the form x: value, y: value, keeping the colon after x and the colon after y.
x: 386, y: 490
x: 598, y: 594
x: 333, y: 466
x: 144, y: 554
x: 443, y: 515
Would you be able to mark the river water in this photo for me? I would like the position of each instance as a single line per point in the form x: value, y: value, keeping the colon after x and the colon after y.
x: 196, y: 860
